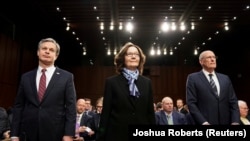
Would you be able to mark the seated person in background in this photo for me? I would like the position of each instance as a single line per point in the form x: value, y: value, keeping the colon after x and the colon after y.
x: 244, y: 116
x: 4, y: 124
x: 158, y: 106
x: 89, y: 110
x: 180, y: 106
x: 169, y: 116
x: 84, y: 122
x: 190, y: 120
x: 97, y: 115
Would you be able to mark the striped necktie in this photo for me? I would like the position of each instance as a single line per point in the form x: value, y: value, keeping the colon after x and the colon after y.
x: 212, y: 83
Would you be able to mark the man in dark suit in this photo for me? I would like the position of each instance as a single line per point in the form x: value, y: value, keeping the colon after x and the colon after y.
x: 89, y: 107
x: 128, y: 96
x: 210, y: 106
x: 180, y: 106
x: 4, y: 124
x: 53, y: 117
x: 169, y: 116
x: 97, y: 115
x: 85, y: 122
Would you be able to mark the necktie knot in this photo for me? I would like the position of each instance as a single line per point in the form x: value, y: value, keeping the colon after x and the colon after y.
x: 44, y: 70
x: 77, y: 118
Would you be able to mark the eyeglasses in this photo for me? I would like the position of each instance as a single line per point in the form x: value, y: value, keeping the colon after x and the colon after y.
x: 132, y: 54
x: 211, y: 57
x: 245, y: 108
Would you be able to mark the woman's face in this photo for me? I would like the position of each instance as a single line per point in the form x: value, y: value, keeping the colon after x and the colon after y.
x: 132, y: 58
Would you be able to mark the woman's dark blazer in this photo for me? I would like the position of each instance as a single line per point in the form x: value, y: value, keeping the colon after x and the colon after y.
x: 50, y: 119
x: 121, y: 110
x: 205, y: 105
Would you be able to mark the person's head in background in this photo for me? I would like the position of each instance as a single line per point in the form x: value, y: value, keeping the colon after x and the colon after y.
x: 158, y: 106
x: 243, y: 108
x: 80, y: 106
x: 88, y: 104
x: 99, y: 104
x: 179, y: 104
x: 167, y: 104
x: 130, y: 57
x: 207, y: 60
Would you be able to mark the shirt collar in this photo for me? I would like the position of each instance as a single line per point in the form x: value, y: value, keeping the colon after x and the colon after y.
x: 49, y: 69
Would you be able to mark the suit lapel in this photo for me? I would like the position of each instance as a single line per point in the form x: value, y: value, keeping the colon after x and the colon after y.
x: 164, y: 117
x: 175, y: 117
x: 125, y: 89
x: 140, y: 85
x: 221, y: 84
x: 205, y: 81
x: 32, y: 82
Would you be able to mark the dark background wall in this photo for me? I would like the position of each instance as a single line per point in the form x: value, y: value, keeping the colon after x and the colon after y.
x: 19, y: 55
x: 18, y: 45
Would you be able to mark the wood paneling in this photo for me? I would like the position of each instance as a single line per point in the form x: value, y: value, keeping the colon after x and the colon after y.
x: 169, y: 81
x: 89, y: 80
x: 9, y: 60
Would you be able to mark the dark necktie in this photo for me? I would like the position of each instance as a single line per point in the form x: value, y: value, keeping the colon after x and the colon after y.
x: 42, y: 85
x: 86, y: 113
x: 212, y: 83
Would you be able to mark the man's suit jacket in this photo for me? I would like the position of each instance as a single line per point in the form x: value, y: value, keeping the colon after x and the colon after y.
x: 4, y: 122
x: 178, y: 118
x: 241, y: 122
x: 96, y: 119
x: 205, y: 105
x: 121, y: 110
x: 183, y: 110
x: 51, y: 118
x: 88, y: 121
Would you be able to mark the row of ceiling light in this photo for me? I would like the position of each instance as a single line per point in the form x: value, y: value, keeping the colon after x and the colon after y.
x: 155, y: 50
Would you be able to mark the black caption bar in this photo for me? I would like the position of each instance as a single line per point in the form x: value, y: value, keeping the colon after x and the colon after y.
x: 199, y: 132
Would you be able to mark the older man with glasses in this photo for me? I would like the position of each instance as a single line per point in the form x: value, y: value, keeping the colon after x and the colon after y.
x: 244, y: 115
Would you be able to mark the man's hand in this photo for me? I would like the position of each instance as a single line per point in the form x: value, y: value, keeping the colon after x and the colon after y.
x: 67, y: 138
x: 14, y: 139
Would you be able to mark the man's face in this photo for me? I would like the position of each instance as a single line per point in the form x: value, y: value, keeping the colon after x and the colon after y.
x: 80, y: 106
x: 243, y: 110
x: 168, y: 105
x: 47, y: 53
x: 88, y: 105
x: 208, y: 61
x: 179, y: 103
